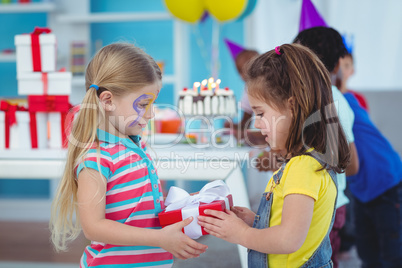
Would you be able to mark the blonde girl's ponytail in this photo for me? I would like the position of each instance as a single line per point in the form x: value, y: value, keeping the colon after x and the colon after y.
x: 64, y: 206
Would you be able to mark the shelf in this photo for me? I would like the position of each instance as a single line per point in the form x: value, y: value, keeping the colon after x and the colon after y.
x: 33, y: 154
x: 27, y: 7
x: 79, y: 81
x: 7, y: 57
x: 114, y: 17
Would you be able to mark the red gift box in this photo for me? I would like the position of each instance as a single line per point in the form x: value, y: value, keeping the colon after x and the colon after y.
x: 48, y: 103
x: 10, y: 118
x: 171, y: 217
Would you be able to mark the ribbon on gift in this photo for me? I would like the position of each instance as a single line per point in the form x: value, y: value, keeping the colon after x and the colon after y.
x: 47, y: 103
x: 11, y: 117
x: 35, y: 47
x: 189, y: 204
x: 45, y: 83
x: 45, y: 80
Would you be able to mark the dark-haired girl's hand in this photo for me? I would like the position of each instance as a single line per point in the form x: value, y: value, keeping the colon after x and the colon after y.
x: 245, y: 214
x: 225, y: 225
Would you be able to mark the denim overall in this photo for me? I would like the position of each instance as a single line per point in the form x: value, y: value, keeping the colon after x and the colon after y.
x: 320, y: 258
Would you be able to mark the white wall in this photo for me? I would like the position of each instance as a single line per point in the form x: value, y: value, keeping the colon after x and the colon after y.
x: 375, y: 25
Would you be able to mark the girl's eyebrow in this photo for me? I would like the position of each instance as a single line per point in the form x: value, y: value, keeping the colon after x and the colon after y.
x: 255, y: 107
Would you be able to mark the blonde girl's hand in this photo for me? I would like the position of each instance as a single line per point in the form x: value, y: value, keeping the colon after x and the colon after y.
x: 180, y: 245
x: 226, y: 226
x: 245, y: 214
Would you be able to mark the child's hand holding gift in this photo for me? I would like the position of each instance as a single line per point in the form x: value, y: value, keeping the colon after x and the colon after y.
x: 179, y: 244
x: 245, y: 214
x: 225, y: 225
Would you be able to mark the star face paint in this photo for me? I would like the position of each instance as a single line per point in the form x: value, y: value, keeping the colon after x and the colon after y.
x: 141, y: 106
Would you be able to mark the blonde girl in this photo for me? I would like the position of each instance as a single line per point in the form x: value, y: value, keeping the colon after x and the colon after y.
x: 290, y: 93
x: 110, y: 184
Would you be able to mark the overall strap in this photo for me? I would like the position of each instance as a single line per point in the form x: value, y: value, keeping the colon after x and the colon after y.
x: 278, y: 176
x: 317, y: 257
x: 332, y: 173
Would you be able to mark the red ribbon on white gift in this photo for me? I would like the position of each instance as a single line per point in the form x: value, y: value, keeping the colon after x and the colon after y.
x: 50, y: 105
x: 10, y: 118
x: 189, y: 204
x: 35, y: 48
x: 45, y: 83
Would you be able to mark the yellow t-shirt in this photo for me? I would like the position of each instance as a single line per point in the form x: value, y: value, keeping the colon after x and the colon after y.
x: 300, y: 177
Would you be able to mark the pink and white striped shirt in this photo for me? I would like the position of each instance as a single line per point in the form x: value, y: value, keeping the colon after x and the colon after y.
x: 133, y: 197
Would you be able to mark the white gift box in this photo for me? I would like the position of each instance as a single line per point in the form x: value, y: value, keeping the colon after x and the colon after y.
x: 48, y: 126
x: 42, y: 131
x: 55, y: 129
x: 20, y: 137
x: 49, y: 130
x: 24, y: 52
x: 2, y: 130
x: 58, y: 83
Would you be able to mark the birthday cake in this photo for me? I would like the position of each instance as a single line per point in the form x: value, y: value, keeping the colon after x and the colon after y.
x: 207, y: 100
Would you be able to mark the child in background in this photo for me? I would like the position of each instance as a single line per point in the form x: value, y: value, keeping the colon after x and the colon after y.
x: 347, y: 70
x: 347, y: 233
x: 240, y: 130
x: 377, y: 191
x: 290, y: 92
x: 110, y: 183
x: 328, y: 45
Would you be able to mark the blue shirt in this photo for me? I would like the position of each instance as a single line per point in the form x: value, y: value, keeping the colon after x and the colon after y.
x: 380, y: 165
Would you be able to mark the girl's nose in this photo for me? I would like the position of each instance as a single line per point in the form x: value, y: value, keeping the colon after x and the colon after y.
x: 149, y: 113
x: 152, y: 111
x: 257, y: 123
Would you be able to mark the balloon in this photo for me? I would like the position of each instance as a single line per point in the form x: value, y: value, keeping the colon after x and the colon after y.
x: 249, y: 9
x: 224, y: 10
x: 187, y: 10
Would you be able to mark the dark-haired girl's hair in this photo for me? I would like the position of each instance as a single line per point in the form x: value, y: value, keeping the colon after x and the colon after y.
x: 298, y: 73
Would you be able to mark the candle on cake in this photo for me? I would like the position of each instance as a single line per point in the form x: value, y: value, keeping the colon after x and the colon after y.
x: 210, y: 81
x: 195, y: 86
x: 213, y: 86
x: 217, y: 84
x: 203, y: 84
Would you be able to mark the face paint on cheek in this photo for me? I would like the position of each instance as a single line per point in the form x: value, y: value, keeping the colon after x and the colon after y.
x: 147, y: 97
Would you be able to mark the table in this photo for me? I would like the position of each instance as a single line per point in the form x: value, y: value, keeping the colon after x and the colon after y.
x: 179, y: 162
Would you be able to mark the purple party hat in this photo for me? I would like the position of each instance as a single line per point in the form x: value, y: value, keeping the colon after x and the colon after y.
x: 310, y: 17
x: 234, y: 48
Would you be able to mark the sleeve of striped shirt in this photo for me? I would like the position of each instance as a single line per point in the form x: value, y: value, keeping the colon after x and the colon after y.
x: 90, y: 160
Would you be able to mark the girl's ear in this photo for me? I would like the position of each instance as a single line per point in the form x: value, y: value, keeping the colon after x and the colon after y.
x: 106, y: 100
x: 291, y: 105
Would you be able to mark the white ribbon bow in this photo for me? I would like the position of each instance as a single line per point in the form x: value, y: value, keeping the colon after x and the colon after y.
x: 179, y: 199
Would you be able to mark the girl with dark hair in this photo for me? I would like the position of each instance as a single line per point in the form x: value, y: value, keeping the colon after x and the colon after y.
x: 289, y: 90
